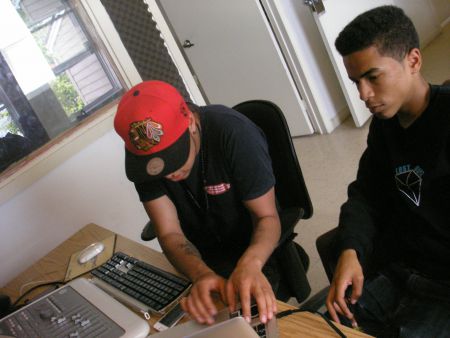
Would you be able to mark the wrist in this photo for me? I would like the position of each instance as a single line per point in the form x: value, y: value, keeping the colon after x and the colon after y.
x: 200, y: 273
x: 349, y: 252
x: 349, y: 255
x: 252, y: 261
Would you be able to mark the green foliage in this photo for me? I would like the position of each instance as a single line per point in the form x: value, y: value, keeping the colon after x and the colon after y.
x: 40, y: 37
x: 67, y: 95
x: 10, y: 126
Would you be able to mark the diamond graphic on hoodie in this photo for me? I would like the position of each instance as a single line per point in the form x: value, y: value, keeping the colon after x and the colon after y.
x: 409, y: 182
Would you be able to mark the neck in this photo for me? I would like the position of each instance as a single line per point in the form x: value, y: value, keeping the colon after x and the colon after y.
x: 416, y: 104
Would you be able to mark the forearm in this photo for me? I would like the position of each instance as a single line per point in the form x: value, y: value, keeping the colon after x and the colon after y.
x: 264, y: 240
x: 360, y: 219
x: 357, y: 222
x: 183, y: 255
x: 368, y: 200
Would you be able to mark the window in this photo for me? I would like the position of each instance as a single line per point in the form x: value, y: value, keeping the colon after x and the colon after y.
x: 53, y: 74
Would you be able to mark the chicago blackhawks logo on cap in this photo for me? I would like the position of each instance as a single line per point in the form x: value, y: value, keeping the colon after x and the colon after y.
x: 145, y: 134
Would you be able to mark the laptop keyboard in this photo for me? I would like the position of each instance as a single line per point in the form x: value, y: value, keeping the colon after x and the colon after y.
x: 259, y: 327
x: 139, y: 284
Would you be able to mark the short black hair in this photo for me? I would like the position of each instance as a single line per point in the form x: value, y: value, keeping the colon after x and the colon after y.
x: 387, y: 27
x: 193, y: 107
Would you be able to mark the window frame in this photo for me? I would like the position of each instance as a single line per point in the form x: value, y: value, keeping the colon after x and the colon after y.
x: 21, y: 175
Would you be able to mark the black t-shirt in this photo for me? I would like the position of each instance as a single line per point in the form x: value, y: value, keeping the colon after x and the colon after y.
x: 236, y: 167
x: 403, y: 188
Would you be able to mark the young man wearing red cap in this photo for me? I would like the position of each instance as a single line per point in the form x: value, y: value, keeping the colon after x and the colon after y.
x: 393, y: 240
x: 204, y: 176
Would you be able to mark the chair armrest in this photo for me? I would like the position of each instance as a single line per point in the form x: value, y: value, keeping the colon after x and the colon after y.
x: 289, y: 218
x: 325, y: 245
x: 148, y: 233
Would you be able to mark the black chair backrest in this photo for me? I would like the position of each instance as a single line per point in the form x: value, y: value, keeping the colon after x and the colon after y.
x: 290, y: 187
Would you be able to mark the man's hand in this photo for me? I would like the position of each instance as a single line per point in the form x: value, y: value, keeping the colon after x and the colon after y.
x: 247, y: 281
x: 348, y: 273
x: 199, y: 303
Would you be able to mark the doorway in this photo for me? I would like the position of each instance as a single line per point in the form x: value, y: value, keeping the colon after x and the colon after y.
x: 234, y: 55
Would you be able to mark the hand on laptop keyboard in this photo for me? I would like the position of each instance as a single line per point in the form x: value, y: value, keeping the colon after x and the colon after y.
x: 247, y: 285
x: 199, y: 303
x: 248, y: 282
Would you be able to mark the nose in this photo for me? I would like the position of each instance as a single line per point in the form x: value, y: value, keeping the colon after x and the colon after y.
x: 365, y: 90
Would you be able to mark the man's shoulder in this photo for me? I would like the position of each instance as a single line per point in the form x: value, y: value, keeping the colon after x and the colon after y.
x: 439, y: 107
x: 150, y: 190
x: 225, y: 118
x: 221, y: 112
x: 444, y: 88
x: 440, y: 94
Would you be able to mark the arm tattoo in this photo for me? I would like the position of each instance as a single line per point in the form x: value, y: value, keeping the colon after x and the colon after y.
x: 189, y: 249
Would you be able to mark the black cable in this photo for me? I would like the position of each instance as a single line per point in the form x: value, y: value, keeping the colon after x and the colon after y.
x: 329, y: 322
x: 34, y: 288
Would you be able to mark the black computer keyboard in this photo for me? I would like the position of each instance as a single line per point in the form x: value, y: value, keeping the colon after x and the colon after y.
x: 140, y: 284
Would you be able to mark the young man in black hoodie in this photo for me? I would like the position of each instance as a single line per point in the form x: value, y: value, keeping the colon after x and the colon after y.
x: 393, y: 242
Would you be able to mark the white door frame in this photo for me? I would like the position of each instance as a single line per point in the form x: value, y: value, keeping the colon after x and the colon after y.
x: 297, y: 73
x: 272, y: 60
x: 105, y: 28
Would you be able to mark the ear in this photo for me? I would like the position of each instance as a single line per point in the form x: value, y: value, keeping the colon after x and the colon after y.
x: 192, y: 123
x: 414, y: 60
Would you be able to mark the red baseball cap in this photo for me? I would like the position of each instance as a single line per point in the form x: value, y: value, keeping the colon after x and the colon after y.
x: 153, y: 120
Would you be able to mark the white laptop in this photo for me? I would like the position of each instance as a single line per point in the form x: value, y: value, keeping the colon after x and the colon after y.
x: 234, y: 327
x: 78, y: 309
x: 225, y: 322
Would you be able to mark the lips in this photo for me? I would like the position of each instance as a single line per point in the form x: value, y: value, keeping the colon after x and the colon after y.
x: 375, y: 108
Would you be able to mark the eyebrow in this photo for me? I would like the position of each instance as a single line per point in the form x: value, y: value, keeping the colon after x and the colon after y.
x: 370, y: 71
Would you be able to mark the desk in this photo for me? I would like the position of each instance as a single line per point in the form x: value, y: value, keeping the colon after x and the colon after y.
x: 53, y: 266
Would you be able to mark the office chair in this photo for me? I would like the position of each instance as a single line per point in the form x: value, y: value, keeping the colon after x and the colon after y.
x: 290, y: 188
x: 325, y: 245
x: 292, y: 196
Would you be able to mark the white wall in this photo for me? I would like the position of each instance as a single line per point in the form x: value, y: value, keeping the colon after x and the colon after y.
x: 442, y: 10
x: 89, y: 187
x: 424, y: 16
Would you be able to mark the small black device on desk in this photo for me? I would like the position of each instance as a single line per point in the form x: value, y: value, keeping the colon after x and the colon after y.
x: 170, y: 319
x: 139, y: 284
